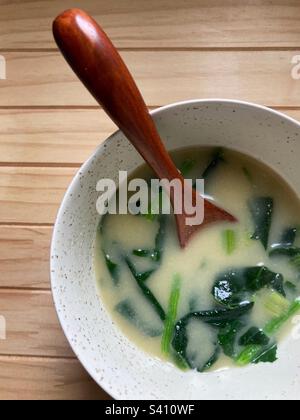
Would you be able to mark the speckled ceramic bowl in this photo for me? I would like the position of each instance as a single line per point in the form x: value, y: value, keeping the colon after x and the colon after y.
x: 116, y: 364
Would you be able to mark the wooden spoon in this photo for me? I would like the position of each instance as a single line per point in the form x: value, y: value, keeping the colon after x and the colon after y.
x: 99, y: 66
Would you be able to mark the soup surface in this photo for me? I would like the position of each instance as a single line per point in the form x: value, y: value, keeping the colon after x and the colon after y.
x: 230, y: 295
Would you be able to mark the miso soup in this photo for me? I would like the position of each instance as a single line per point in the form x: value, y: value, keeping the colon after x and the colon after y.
x: 228, y: 297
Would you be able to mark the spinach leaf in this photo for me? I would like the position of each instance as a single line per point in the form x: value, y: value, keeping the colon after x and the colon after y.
x: 214, y: 317
x: 179, y: 361
x: 228, y: 337
x: 261, y: 209
x: 156, y: 253
x: 254, y: 336
x: 284, y: 251
x: 276, y: 323
x: 218, y: 317
x: 112, y: 267
x: 140, y: 279
x: 288, y: 237
x: 268, y: 355
x: 286, y: 248
x: 141, y: 252
x: 239, y: 285
x: 187, y: 166
x: 257, y: 354
x: 143, y: 276
x: 214, y: 358
x: 217, y: 158
x: 127, y: 310
x: 198, y: 358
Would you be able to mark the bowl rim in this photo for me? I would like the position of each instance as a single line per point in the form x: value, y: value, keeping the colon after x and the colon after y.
x: 87, y: 163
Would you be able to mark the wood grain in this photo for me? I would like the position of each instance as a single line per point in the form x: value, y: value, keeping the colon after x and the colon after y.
x: 44, y: 79
x: 24, y: 256
x: 46, y: 136
x: 32, y: 195
x: 160, y: 23
x: 32, y: 325
x: 23, y: 378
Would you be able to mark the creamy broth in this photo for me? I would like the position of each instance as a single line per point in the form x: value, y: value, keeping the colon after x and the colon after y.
x: 233, y: 182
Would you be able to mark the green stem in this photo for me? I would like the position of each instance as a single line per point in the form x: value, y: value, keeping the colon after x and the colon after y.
x: 251, y: 353
x: 229, y: 240
x: 275, y: 324
x: 171, y: 315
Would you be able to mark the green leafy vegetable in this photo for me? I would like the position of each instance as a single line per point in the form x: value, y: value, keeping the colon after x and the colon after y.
x: 275, y: 324
x: 127, y: 310
x: 140, y: 277
x: 217, y: 317
x: 254, y: 336
x: 268, y: 355
x: 239, y: 285
x: 288, y: 237
x: 262, y: 211
x: 257, y: 354
x: 276, y: 304
x: 171, y: 315
x: 229, y: 240
x: 141, y: 252
x: 145, y: 290
x: 217, y: 158
x: 186, y: 167
x: 157, y: 252
x: 228, y: 337
x: 286, y: 248
x: 213, y: 359
x: 112, y: 267
x: 283, y: 251
x: 179, y: 361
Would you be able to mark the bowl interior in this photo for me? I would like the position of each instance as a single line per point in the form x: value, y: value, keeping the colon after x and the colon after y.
x: 113, y: 361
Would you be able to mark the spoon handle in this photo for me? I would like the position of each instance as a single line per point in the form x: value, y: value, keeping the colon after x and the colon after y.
x: 99, y: 66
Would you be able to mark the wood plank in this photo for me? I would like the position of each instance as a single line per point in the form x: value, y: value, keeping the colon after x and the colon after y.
x: 32, y: 327
x: 47, y: 136
x: 44, y: 79
x: 181, y: 23
x: 24, y: 256
x: 46, y: 379
x: 32, y: 195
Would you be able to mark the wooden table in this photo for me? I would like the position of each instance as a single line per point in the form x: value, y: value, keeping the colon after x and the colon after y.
x: 49, y: 125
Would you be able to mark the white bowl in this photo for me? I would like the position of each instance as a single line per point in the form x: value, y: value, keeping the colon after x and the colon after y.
x: 115, y: 363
